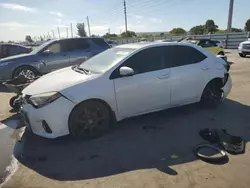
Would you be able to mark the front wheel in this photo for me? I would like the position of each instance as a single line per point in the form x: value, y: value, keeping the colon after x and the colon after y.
x: 242, y: 55
x: 212, y: 95
x: 29, y: 72
x: 89, y: 119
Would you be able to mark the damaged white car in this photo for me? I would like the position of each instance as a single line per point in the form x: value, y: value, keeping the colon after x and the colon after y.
x: 122, y: 82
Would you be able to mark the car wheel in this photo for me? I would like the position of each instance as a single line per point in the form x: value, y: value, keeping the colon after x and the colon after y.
x: 221, y: 53
x: 212, y: 95
x: 242, y: 55
x: 12, y: 102
x: 28, y: 72
x: 89, y: 119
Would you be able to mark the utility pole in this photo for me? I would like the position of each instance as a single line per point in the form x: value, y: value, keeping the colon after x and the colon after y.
x: 88, y: 26
x: 58, y: 29
x: 125, y: 13
x: 67, y: 30
x: 230, y: 16
x: 71, y: 30
x: 53, y: 33
x: 49, y: 35
x: 109, y: 31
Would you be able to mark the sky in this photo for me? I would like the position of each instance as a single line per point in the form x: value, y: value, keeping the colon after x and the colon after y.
x: 19, y: 18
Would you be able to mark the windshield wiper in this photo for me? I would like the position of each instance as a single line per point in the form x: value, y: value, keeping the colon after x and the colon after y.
x: 80, y: 70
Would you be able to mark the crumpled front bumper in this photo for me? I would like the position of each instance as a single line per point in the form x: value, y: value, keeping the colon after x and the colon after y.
x: 55, y: 115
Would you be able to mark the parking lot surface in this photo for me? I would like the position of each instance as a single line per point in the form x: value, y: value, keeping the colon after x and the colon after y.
x: 154, y: 150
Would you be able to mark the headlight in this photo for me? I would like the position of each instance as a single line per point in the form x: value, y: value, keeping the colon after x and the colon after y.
x: 43, y: 99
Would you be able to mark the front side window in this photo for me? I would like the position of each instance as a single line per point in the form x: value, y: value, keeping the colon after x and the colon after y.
x: 54, y: 48
x: 207, y: 44
x: 147, y: 60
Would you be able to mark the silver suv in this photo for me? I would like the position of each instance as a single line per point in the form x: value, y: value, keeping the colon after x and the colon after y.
x: 244, y: 48
x: 50, y: 56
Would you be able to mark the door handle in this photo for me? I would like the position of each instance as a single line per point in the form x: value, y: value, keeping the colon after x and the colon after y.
x: 164, y: 76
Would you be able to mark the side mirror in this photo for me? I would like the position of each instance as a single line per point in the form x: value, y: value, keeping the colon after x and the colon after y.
x: 126, y: 71
x: 47, y: 52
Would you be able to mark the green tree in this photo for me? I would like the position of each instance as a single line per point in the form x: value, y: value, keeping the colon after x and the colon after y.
x: 28, y: 38
x: 177, y: 31
x: 108, y: 35
x: 162, y: 34
x: 247, y: 25
x: 210, y: 26
x: 235, y: 30
x: 81, y: 29
x: 197, y: 30
x: 128, y: 34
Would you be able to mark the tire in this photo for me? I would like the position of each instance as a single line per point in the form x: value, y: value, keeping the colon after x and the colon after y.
x: 212, y: 95
x: 28, y: 71
x: 242, y: 55
x: 12, y: 101
x: 90, y: 119
x: 221, y: 53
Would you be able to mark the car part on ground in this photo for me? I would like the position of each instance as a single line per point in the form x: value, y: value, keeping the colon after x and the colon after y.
x: 211, y: 159
x: 231, y: 144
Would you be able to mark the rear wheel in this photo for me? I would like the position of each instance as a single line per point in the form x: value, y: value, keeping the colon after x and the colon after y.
x: 221, y: 53
x: 28, y: 72
x: 212, y: 95
x: 89, y: 119
x: 242, y: 55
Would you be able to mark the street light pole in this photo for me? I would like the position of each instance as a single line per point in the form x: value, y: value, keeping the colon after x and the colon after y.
x: 125, y: 13
x: 230, y: 16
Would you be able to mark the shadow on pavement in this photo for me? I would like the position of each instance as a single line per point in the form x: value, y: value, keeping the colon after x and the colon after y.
x: 4, y: 89
x: 156, y: 140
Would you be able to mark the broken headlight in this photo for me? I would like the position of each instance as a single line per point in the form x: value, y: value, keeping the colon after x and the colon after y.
x: 43, y: 99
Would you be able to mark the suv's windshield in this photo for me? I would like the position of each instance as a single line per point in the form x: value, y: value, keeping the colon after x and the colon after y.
x: 37, y: 49
x: 103, y: 61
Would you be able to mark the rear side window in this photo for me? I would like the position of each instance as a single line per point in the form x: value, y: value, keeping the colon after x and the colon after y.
x: 100, y: 42
x: 75, y: 44
x: 188, y: 55
x: 207, y: 44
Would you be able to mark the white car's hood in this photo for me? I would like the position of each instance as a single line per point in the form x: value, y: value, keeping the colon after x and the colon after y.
x: 57, y: 81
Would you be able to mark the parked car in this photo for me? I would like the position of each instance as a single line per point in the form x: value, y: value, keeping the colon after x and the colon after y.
x: 244, y: 48
x: 121, y: 82
x: 7, y: 50
x: 112, y: 43
x: 50, y: 56
x: 208, y: 44
x: 219, y: 43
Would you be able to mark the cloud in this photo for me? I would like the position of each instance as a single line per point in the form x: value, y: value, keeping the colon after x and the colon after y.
x: 14, y: 6
x: 155, y: 20
x: 16, y: 25
x: 58, y: 14
x: 138, y: 17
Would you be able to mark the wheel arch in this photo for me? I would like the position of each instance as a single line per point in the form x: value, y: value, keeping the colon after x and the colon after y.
x: 216, y: 80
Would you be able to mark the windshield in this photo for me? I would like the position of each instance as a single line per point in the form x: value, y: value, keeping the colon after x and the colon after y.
x: 103, y: 61
x: 38, y: 48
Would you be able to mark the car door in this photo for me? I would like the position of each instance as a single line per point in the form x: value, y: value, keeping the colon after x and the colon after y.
x: 58, y: 56
x: 188, y: 75
x: 148, y: 89
x: 80, y: 51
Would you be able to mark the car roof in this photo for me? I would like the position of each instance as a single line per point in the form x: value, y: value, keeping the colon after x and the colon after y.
x: 140, y: 45
x: 13, y: 44
x: 77, y: 38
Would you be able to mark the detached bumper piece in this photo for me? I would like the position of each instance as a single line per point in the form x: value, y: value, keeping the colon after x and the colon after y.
x: 220, y: 141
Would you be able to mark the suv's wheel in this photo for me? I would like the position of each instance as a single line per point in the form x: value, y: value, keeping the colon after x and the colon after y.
x: 89, y: 119
x: 28, y: 72
x: 212, y: 95
x: 242, y: 55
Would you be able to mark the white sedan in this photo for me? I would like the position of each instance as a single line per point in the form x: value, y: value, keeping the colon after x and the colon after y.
x: 122, y: 82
